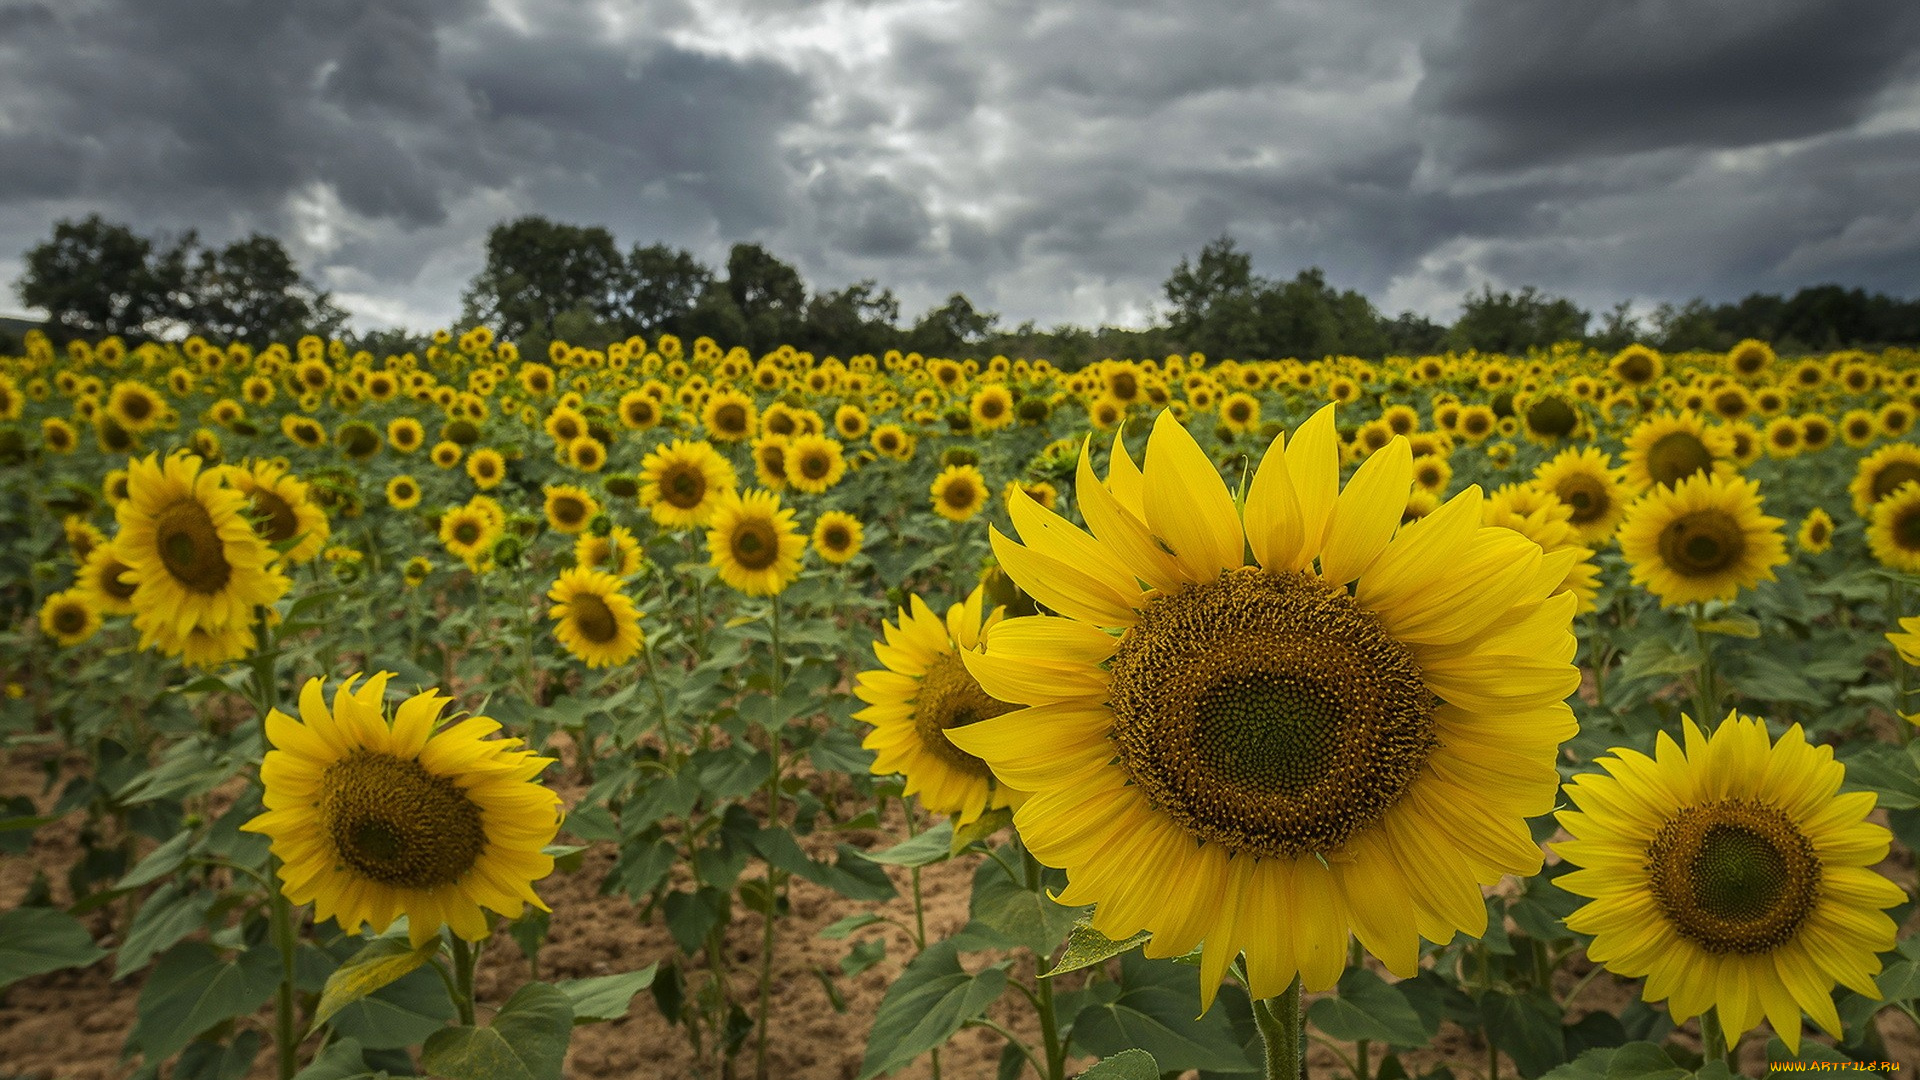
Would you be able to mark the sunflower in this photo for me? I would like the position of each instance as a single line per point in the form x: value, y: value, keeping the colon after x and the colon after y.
x: 58, y: 436
x: 892, y: 441
x: 1894, y: 533
x: 1263, y: 759
x: 205, y: 647
x: 681, y: 484
x: 1665, y: 449
x: 618, y: 552
x: 1816, y: 532
x: 190, y: 551
x: 1858, y: 428
x: 1542, y: 518
x: 991, y: 407
x: 850, y: 422
x: 406, y: 435
x: 304, y: 431
x: 770, y: 460
x: 283, y: 508
x: 487, y: 467
x: 1038, y: 490
x: 814, y: 463
x: 837, y: 536
x: 1907, y: 644
x: 1733, y: 875
x: 403, y: 492
x: 446, y: 453
x: 1477, y: 422
x: 598, y: 624
x: 569, y: 509
x: 1882, y: 473
x: 1432, y: 474
x: 69, y: 617
x: 1704, y: 539
x: 100, y: 579
x: 638, y: 410
x: 374, y: 818
x: 959, y: 492
x: 134, y: 406
x: 921, y: 692
x: 468, y: 533
x: 1586, y: 481
x: 729, y: 416
x: 753, y: 543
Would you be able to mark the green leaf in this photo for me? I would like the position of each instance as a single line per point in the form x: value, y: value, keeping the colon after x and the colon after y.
x: 159, y: 862
x: 840, y: 928
x: 397, y: 1015
x: 1125, y: 1065
x: 1887, y: 772
x: 1527, y: 1027
x: 1368, y: 1008
x: 1019, y: 914
x: 1087, y: 947
x: 924, y: 849
x: 1634, y: 1061
x: 341, y: 1060
x: 527, y: 1040
x: 1809, y: 1051
x: 381, y: 962
x: 644, y: 865
x: 1154, y: 1012
x: 34, y: 941
x: 1656, y: 656
x: 691, y: 914
x: 169, y: 915
x: 218, y: 1061
x: 192, y: 988
x: 981, y: 828
x: 1744, y: 626
x: 606, y: 997
x: 933, y: 998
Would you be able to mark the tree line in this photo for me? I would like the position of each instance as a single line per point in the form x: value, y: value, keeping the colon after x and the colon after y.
x: 544, y: 280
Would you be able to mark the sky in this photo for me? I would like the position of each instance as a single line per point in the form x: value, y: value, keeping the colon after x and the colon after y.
x: 1054, y: 161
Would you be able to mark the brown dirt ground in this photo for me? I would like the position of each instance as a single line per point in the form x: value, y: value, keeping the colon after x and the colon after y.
x: 72, y: 1025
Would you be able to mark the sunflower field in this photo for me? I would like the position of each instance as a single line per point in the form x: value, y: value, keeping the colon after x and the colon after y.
x: 661, y: 709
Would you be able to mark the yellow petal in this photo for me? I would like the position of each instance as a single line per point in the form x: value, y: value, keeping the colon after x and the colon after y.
x: 1123, y: 533
x: 1367, y: 512
x: 1061, y: 587
x: 1313, y: 462
x: 1272, y: 514
x: 1188, y: 506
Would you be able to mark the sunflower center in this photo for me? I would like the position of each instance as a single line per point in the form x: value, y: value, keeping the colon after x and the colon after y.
x: 466, y: 532
x: 1702, y: 543
x: 136, y: 407
x: 1893, y: 477
x: 593, y: 618
x: 394, y: 822
x: 1734, y: 876
x: 1906, y: 531
x: 814, y: 466
x: 730, y: 418
x: 1551, y: 416
x: 190, y: 547
x: 1677, y: 456
x: 568, y: 510
x: 958, y: 494
x: 70, y: 619
x: 685, y: 488
x: 949, y: 698
x: 1268, y: 713
x: 280, y: 521
x: 111, y: 584
x: 755, y: 547
x: 836, y: 538
x: 1586, y: 495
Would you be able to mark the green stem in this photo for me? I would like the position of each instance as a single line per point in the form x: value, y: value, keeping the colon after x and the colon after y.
x: 1713, y: 1040
x: 1706, y: 694
x: 1043, y: 1002
x: 919, y: 907
x: 773, y: 822
x: 1896, y: 607
x: 659, y: 701
x: 1278, y: 1019
x: 464, y: 956
x: 285, y: 1036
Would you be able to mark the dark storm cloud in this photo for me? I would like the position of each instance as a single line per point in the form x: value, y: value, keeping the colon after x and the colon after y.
x: 1576, y: 79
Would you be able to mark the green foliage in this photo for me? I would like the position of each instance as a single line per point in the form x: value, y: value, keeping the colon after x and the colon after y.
x: 526, y: 1040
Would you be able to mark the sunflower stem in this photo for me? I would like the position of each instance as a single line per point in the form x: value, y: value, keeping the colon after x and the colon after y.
x: 1713, y: 1039
x: 773, y: 822
x: 263, y: 685
x: 463, y: 960
x: 1706, y: 693
x: 1043, y: 1001
x: 659, y: 701
x: 1278, y: 1019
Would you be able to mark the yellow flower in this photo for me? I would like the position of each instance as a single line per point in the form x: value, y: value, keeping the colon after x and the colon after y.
x: 597, y: 622
x: 753, y: 543
x: 681, y: 484
x: 1882, y: 473
x: 1733, y: 876
x: 375, y: 818
x: 406, y: 435
x: 1704, y: 539
x: 837, y: 536
x: 283, y: 508
x: 959, y: 492
x: 1893, y: 534
x: 921, y: 692
x: 1345, y: 738
x: 403, y: 492
x: 100, y: 577
x: 190, y: 552
x: 134, y: 406
x: 1240, y: 412
x: 618, y: 552
x: 468, y: 532
x: 487, y: 468
x: 892, y: 441
x: 729, y: 416
x: 991, y: 408
x: 1666, y: 449
x: 1816, y: 532
x: 446, y: 453
x: 570, y: 509
x: 1586, y: 481
x: 69, y: 617
x: 1908, y: 644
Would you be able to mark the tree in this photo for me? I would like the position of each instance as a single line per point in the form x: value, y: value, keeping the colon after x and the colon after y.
x: 252, y: 291
x: 1515, y: 322
x: 861, y: 318
x: 661, y: 287
x: 952, y: 326
x: 537, y: 268
x: 1411, y: 334
x: 1619, y: 328
x: 96, y: 278
x: 770, y: 294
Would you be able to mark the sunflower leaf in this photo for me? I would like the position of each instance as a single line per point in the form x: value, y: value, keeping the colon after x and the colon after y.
x: 1087, y: 947
x: 382, y: 961
x: 1369, y: 1008
x: 527, y: 1040
x: 607, y: 997
x: 1126, y: 1065
x: 933, y: 998
x: 923, y: 849
x: 34, y: 941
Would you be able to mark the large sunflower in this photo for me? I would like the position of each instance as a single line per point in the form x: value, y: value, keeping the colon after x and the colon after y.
x: 190, y: 551
x: 1882, y: 473
x: 1733, y: 875
x: 754, y: 544
x: 1344, y: 738
x: 922, y: 691
x: 1705, y: 539
x: 597, y: 622
x: 376, y: 818
x: 283, y: 508
x: 1586, y: 481
x: 1666, y: 449
x: 1894, y: 534
x: 681, y: 484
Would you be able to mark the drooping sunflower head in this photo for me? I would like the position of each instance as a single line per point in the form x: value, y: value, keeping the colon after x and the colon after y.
x: 1665, y: 449
x: 190, y: 548
x: 282, y: 508
x: 1237, y: 756
x: 569, y: 508
x: 959, y: 492
x: 595, y: 620
x: 754, y: 544
x: 681, y: 484
x: 1704, y: 539
x: 837, y: 536
x: 1732, y: 875
x: 378, y: 817
x: 1894, y: 533
x: 923, y: 691
x: 1882, y: 473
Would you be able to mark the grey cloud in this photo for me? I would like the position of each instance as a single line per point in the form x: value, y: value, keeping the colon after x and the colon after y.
x: 871, y: 216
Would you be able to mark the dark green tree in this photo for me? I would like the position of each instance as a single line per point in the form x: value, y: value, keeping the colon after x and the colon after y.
x: 861, y: 318
x: 251, y: 291
x: 770, y: 295
x: 715, y: 315
x: 1214, y: 301
x: 96, y: 277
x: 660, y: 288
x: 951, y: 327
x: 1515, y: 322
x: 537, y: 269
